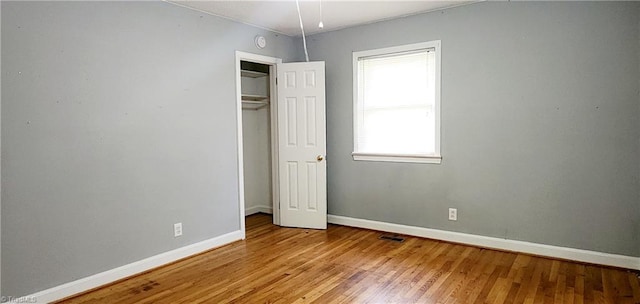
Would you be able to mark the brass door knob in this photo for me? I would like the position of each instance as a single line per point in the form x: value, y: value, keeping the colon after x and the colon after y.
x: 319, y: 158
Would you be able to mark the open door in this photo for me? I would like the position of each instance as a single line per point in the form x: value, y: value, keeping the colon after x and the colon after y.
x: 302, y: 145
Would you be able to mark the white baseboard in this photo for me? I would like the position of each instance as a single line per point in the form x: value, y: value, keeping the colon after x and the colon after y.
x: 258, y: 209
x: 99, y: 279
x: 573, y: 254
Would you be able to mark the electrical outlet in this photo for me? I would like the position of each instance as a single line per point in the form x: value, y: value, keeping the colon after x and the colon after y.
x: 177, y: 229
x: 453, y: 214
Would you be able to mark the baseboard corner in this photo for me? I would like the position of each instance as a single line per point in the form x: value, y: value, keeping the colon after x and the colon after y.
x: 258, y: 209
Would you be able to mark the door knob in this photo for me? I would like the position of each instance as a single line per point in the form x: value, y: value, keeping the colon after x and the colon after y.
x: 319, y: 158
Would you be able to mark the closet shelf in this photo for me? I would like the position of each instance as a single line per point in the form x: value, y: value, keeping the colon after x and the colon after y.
x: 252, y: 97
x: 254, y: 102
x: 254, y: 105
x: 252, y: 74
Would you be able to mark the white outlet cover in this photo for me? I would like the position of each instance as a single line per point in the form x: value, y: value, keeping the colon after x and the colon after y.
x: 177, y: 229
x: 453, y: 214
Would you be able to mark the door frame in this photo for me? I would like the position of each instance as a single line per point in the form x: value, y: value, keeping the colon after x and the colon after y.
x: 272, y: 62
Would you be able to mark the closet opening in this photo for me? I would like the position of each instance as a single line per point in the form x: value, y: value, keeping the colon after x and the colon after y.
x: 257, y: 120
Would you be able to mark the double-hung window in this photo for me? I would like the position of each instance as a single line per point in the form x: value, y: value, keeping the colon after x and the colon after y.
x: 397, y: 103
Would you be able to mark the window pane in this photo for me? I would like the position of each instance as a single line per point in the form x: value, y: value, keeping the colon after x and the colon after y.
x: 396, y: 104
x: 395, y: 81
x: 401, y: 130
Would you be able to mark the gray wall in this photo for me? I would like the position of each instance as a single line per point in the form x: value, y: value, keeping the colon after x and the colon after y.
x: 540, y: 125
x: 118, y: 120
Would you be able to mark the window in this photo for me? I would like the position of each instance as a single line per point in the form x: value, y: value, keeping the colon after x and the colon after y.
x: 397, y: 104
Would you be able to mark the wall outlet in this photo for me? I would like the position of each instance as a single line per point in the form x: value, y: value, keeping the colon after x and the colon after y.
x: 177, y: 229
x: 453, y: 214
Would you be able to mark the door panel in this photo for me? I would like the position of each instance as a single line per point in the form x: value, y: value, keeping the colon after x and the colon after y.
x: 302, y: 145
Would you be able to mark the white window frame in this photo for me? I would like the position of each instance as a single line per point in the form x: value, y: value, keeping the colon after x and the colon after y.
x: 435, y: 158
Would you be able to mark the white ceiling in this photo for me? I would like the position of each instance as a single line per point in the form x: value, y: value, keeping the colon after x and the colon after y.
x: 282, y: 16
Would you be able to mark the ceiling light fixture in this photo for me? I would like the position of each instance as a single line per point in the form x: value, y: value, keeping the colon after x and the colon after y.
x: 260, y: 41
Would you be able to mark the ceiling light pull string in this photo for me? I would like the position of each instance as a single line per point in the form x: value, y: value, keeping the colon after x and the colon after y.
x: 321, y: 25
x: 304, y: 40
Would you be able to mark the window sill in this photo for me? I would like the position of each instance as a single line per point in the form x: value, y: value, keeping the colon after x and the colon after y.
x: 398, y: 158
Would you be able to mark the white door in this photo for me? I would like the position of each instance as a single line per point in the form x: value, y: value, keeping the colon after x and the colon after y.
x: 302, y: 145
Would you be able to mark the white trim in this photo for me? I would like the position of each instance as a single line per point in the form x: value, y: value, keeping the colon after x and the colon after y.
x: 573, y: 254
x: 273, y: 141
x: 257, y: 58
x: 438, y: 46
x: 366, y: 156
x: 435, y: 44
x: 320, y: 31
x: 272, y: 62
x: 398, y: 158
x: 240, y: 144
x: 106, y: 277
x: 236, y: 19
x: 258, y: 209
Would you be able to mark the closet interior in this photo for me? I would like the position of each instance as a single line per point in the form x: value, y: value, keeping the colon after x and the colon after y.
x: 256, y: 134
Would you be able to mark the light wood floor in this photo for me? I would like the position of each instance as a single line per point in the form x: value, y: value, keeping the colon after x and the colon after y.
x: 349, y: 265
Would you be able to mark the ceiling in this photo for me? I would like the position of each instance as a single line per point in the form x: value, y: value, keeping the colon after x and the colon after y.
x: 282, y: 16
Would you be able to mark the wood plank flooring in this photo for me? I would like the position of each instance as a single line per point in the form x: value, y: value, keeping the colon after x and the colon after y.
x: 350, y: 265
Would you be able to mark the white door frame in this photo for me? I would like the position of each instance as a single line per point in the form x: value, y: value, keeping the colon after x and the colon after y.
x: 272, y: 62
